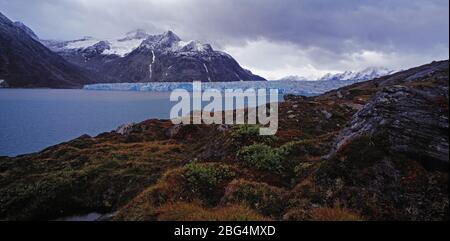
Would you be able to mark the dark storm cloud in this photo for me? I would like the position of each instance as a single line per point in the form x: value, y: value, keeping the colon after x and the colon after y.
x: 322, y: 31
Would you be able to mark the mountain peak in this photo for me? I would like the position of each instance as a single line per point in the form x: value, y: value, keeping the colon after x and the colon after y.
x: 162, y: 41
x: 196, y: 46
x: 170, y: 36
x: 137, y: 34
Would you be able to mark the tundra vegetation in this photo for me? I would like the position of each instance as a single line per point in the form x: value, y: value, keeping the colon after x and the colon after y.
x: 376, y: 150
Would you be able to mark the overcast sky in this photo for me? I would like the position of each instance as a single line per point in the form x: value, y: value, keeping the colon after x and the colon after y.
x: 273, y: 38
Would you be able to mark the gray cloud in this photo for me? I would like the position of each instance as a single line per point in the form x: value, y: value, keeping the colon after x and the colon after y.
x: 321, y: 35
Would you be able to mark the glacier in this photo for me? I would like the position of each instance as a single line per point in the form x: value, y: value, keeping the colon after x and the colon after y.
x: 306, y: 88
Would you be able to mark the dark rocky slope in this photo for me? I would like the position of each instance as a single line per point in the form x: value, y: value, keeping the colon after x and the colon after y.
x: 376, y: 150
x: 25, y: 62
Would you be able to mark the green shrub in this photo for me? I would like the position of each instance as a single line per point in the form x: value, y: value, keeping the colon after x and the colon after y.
x: 261, y: 157
x: 266, y: 199
x: 207, y: 175
x: 295, y: 153
x: 303, y: 168
x: 300, y: 148
x: 245, y: 135
x: 205, y: 179
x: 282, y: 160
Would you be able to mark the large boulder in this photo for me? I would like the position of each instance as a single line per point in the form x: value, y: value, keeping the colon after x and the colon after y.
x: 413, y: 121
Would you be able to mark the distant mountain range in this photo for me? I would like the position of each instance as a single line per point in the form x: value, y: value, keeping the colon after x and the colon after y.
x: 136, y: 57
x: 141, y: 57
x: 366, y: 74
x: 27, y: 61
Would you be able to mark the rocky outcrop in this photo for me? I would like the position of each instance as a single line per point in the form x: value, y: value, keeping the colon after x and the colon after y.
x: 125, y: 129
x: 412, y: 118
x: 391, y: 159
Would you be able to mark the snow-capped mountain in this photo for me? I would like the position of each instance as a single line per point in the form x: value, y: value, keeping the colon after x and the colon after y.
x: 142, y: 57
x: 355, y: 76
x: 366, y: 74
x: 119, y: 46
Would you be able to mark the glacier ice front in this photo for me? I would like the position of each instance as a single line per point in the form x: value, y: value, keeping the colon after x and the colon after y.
x: 307, y: 88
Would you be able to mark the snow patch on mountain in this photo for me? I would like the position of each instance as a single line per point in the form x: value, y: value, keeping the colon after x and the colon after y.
x: 366, y: 74
x: 118, y: 46
x: 207, y: 72
x: 122, y: 48
x: 151, y: 64
x: 170, y: 42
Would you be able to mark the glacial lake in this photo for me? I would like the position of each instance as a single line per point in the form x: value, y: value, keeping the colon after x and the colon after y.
x: 33, y: 119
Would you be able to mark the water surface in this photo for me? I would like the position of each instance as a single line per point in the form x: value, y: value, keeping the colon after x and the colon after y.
x: 33, y: 119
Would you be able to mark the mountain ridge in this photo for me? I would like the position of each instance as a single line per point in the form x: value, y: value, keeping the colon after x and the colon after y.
x: 142, y: 57
x: 365, y: 74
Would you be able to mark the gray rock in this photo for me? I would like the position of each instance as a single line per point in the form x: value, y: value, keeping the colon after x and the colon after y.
x: 125, y: 129
x: 173, y: 131
x: 96, y: 49
x: 327, y: 114
x: 411, y: 119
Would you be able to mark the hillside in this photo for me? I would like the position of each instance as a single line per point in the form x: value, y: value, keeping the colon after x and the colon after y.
x: 25, y: 62
x: 376, y: 150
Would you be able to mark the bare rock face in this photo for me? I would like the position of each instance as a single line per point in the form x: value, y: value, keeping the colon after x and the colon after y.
x: 125, y: 129
x: 96, y: 49
x: 413, y: 119
x: 391, y: 160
